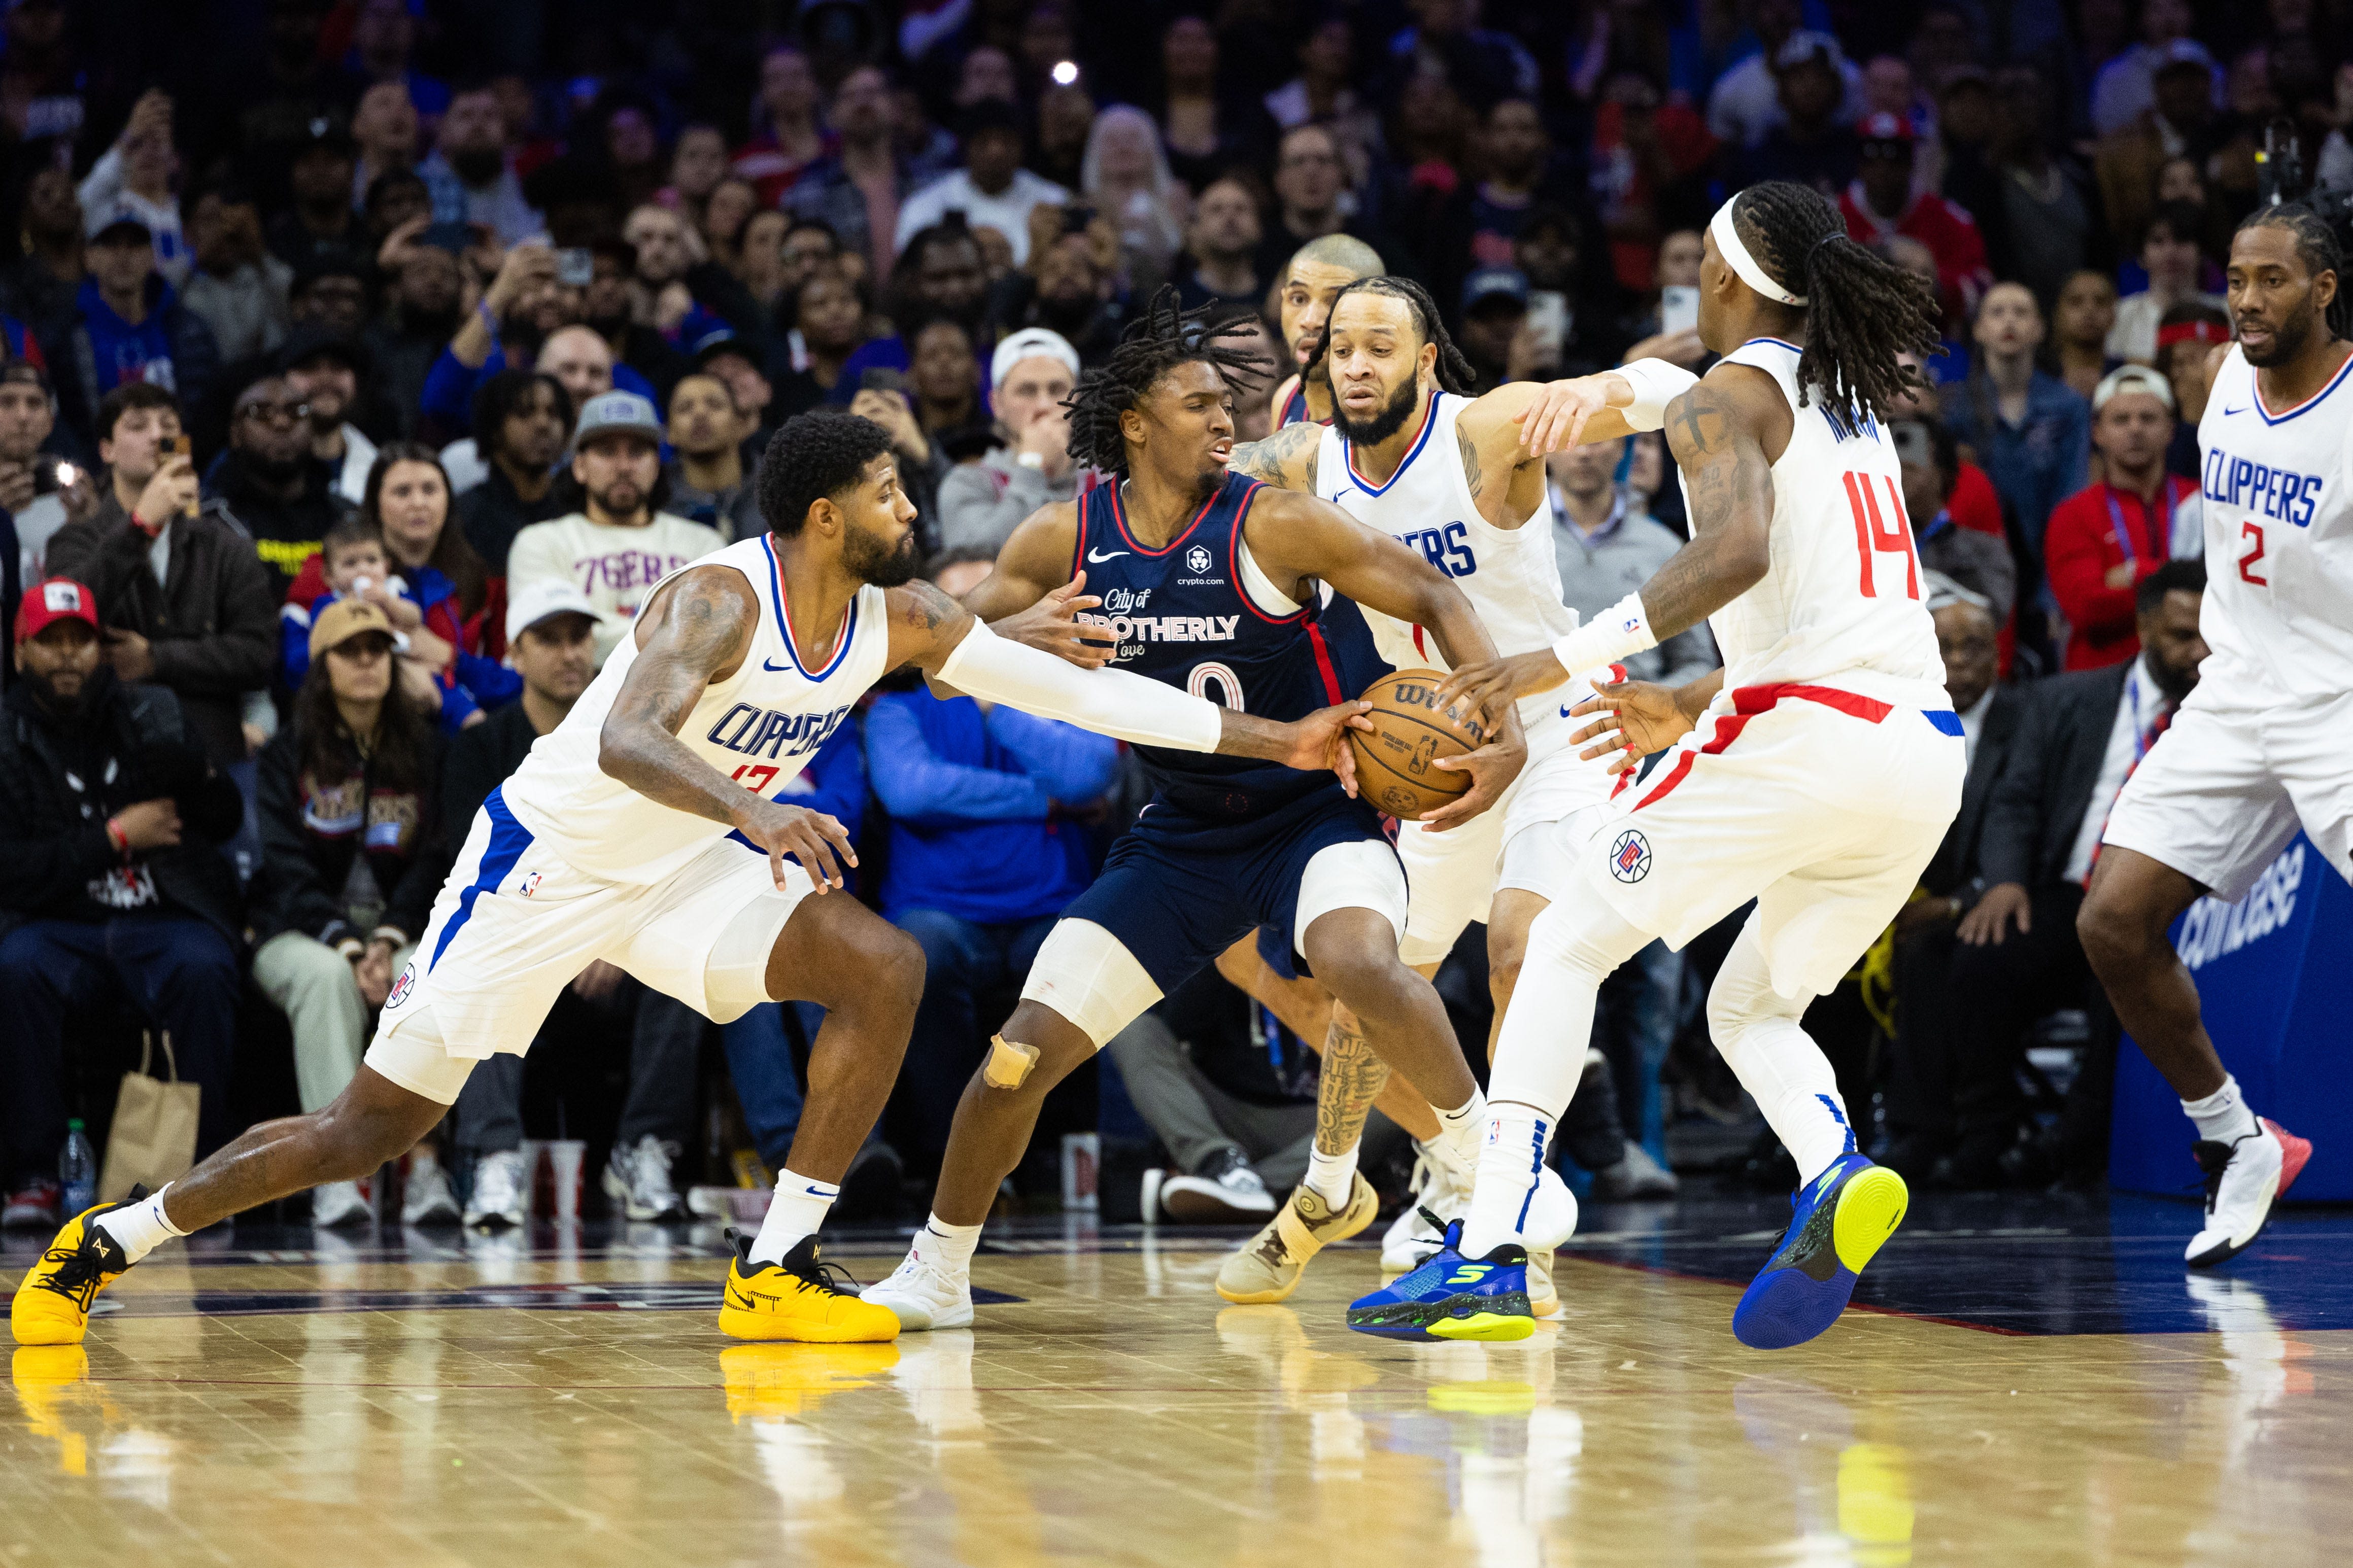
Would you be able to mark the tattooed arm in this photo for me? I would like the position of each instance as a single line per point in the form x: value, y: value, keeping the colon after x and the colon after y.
x: 695, y: 631
x: 1511, y: 428
x: 1719, y: 431
x: 1285, y: 460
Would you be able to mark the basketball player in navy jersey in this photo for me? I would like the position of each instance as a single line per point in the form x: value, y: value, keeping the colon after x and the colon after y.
x: 1210, y: 582
x: 1319, y: 269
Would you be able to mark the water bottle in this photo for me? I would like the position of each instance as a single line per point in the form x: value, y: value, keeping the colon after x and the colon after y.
x: 77, y: 1170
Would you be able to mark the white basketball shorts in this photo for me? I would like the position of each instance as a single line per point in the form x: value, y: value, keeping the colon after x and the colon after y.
x: 514, y: 925
x: 1822, y: 805
x: 2228, y: 784
x: 1452, y: 878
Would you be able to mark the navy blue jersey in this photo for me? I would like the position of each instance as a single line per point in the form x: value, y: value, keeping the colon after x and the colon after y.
x: 1180, y: 616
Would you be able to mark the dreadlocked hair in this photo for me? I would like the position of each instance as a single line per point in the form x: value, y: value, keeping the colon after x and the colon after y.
x: 1862, y: 311
x: 2318, y: 248
x: 1164, y: 336
x: 1454, y: 372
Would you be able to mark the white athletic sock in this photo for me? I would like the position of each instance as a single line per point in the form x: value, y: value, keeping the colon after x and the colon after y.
x: 2222, y: 1117
x: 945, y: 1245
x: 1332, y: 1177
x: 1443, y: 1156
x: 796, y: 1210
x: 1510, y: 1163
x: 1791, y: 1082
x: 1461, y: 1128
x: 139, y: 1229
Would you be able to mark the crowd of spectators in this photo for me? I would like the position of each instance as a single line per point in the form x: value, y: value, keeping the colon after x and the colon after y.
x: 364, y: 362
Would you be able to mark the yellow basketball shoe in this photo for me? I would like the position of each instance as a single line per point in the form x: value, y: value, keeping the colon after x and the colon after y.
x: 1268, y: 1268
x: 800, y: 1298
x: 52, y: 1302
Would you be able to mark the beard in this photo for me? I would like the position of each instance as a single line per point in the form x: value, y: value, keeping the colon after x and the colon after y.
x: 620, y: 499
x: 871, y: 560
x: 1381, y: 426
x: 479, y: 166
x: 2175, y: 680
x: 2287, y: 338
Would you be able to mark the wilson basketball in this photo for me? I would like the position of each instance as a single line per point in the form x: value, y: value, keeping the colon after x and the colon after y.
x: 1396, y: 760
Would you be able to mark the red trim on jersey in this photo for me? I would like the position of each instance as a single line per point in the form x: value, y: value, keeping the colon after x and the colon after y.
x: 1234, y: 555
x: 1748, y: 702
x: 1078, y: 545
x: 1323, y: 663
x: 1419, y: 647
x: 1119, y: 520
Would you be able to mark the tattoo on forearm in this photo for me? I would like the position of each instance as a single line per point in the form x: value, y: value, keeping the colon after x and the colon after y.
x: 1285, y: 460
x: 1353, y: 1079
x: 1730, y: 486
x: 928, y: 608
x: 1472, y: 476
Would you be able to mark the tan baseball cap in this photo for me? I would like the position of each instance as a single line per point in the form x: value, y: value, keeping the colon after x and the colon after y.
x: 344, y: 619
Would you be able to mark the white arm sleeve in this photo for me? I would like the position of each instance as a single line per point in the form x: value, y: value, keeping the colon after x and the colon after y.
x: 1656, y: 384
x: 1109, y: 701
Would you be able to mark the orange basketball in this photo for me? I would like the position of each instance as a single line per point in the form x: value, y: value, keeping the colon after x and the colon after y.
x: 1395, y: 758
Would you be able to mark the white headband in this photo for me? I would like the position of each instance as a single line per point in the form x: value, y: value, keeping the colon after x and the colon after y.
x: 1727, y: 244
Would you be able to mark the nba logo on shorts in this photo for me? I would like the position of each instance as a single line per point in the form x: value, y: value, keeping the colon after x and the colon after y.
x: 401, y: 987
x: 1196, y: 560
x: 530, y: 885
x: 1629, y: 856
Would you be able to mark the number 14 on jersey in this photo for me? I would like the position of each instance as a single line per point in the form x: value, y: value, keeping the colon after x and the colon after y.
x: 1877, y: 535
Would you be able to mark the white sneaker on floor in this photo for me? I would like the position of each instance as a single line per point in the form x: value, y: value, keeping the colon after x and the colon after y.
x: 1411, y: 1237
x: 428, y: 1199
x: 501, y: 1189
x: 1224, y: 1190
x: 2241, y: 1180
x: 637, y: 1178
x: 339, y: 1203
x: 922, y: 1294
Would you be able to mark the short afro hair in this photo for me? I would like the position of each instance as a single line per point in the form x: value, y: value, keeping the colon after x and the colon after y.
x: 814, y: 456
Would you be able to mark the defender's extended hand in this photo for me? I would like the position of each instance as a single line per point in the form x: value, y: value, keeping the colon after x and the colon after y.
x: 1492, y: 767
x: 1634, y: 718
x: 1319, y: 741
x: 1052, y: 625
x: 1494, y: 685
x: 819, y: 843
x: 1558, y: 416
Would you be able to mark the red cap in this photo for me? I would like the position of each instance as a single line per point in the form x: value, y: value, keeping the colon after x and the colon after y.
x: 1883, y: 127
x: 57, y: 599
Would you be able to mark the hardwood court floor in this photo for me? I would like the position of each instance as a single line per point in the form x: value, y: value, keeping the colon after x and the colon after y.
x: 275, y: 1398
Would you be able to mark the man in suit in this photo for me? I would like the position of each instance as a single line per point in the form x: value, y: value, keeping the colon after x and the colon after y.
x: 1920, y: 1082
x: 2013, y: 954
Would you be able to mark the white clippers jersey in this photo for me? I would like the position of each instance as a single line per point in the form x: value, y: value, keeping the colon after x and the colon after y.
x: 1843, y: 603
x: 758, y: 727
x: 1510, y: 574
x: 2279, y: 538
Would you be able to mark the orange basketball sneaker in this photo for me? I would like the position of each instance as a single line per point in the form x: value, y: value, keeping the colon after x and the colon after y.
x: 52, y: 1303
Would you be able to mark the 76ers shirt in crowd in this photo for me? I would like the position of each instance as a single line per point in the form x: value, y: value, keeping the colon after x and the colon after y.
x: 615, y: 567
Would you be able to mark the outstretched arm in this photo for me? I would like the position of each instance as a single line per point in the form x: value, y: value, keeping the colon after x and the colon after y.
x: 939, y: 637
x: 1506, y: 434
x: 694, y: 632
x: 1716, y: 431
x: 1032, y: 597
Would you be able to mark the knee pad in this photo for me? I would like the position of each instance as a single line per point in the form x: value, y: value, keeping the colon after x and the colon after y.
x: 1743, y: 994
x: 1088, y: 976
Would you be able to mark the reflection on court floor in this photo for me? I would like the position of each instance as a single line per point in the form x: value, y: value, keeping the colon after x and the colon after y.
x: 276, y: 1397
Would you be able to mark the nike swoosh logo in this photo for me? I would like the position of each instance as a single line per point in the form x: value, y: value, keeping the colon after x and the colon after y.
x: 819, y: 1193
x: 1096, y: 558
x: 2241, y: 409
x: 773, y: 667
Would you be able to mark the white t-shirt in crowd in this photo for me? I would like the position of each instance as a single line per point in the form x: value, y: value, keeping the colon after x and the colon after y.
x: 615, y: 567
x: 1007, y: 211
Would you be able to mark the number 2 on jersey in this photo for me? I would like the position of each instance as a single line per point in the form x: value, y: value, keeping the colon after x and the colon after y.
x: 1872, y: 536
x: 2253, y: 531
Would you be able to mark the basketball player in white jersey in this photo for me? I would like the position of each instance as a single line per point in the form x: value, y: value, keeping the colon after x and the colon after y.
x: 642, y: 831
x: 1816, y: 772
x: 2264, y: 744
x: 1454, y: 478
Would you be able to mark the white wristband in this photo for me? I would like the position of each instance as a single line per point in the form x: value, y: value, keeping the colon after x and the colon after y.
x: 1656, y: 384
x: 1621, y: 629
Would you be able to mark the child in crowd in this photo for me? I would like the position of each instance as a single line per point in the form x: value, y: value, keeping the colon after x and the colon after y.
x: 434, y: 665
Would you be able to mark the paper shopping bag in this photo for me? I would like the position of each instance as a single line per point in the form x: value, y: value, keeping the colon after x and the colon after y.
x: 154, y: 1139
